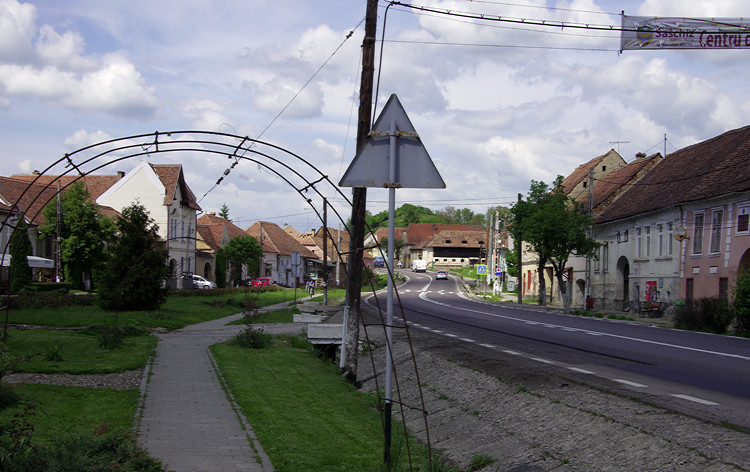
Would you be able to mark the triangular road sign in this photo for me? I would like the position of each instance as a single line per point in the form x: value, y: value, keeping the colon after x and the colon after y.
x: 414, y: 167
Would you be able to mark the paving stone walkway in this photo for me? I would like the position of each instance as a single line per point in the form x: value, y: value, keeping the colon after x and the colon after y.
x: 187, y: 420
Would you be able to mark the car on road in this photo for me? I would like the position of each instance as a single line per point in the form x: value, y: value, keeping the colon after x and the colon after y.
x: 200, y: 282
x: 261, y: 282
x: 441, y: 275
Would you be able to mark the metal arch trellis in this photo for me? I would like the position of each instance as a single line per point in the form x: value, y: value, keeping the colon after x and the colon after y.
x: 220, y: 144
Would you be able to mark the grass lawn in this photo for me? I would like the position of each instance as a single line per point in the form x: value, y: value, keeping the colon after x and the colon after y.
x: 60, y: 410
x: 177, y: 312
x: 79, y: 353
x: 305, y: 415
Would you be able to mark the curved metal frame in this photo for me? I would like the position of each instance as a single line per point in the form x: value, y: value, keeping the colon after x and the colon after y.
x: 220, y: 144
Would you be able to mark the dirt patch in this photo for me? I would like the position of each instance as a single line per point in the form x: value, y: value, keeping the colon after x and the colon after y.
x: 530, y: 418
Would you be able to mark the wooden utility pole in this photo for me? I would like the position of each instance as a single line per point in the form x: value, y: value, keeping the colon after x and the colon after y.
x: 359, y: 199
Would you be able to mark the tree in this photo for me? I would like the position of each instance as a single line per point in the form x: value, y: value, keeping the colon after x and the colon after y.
x: 221, y: 268
x: 243, y: 250
x: 134, y: 272
x: 20, y: 248
x: 224, y: 212
x: 555, y: 227
x: 84, y: 233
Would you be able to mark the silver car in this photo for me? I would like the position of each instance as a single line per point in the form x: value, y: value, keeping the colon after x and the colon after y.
x: 441, y: 274
x: 200, y: 282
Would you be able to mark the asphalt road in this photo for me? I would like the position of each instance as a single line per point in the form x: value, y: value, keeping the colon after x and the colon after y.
x: 702, y: 373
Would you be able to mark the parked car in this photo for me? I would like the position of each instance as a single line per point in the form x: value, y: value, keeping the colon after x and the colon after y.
x: 261, y: 282
x: 200, y: 282
x: 441, y: 275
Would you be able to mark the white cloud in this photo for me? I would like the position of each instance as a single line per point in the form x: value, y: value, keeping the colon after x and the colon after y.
x: 25, y: 166
x: 205, y: 115
x: 54, y: 69
x: 83, y: 138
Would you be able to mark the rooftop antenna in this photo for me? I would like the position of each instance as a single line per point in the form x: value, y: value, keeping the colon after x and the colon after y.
x: 618, y: 144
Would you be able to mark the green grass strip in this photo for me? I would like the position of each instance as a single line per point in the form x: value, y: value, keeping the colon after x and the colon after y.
x: 80, y: 353
x: 60, y: 410
x: 304, y: 414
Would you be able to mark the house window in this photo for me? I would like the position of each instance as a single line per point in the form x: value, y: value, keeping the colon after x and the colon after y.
x: 648, y: 241
x: 622, y: 237
x: 698, y: 233
x: 717, y: 219
x: 447, y: 241
x: 689, y: 289
x: 597, y: 259
x: 604, y: 168
x: 660, y: 239
x: 724, y: 289
x: 605, y: 257
x: 670, y: 237
x: 639, y: 242
x: 743, y: 219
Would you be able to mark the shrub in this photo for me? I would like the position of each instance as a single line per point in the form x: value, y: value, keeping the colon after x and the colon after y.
x: 741, y: 294
x: 704, y: 314
x: 252, y: 338
x: 110, y: 338
x: 34, y: 300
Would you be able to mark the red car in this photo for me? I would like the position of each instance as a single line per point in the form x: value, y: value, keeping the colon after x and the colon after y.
x: 261, y: 282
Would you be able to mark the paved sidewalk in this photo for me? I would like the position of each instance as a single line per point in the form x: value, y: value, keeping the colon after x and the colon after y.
x: 187, y: 421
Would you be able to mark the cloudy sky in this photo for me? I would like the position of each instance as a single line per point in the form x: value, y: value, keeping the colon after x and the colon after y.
x: 495, y: 104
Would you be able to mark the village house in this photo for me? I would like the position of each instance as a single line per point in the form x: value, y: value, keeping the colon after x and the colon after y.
x: 214, y: 232
x: 278, y: 247
x: 161, y: 189
x: 459, y: 246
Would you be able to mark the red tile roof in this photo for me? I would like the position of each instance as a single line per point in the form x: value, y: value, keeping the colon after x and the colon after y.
x: 96, y: 184
x: 171, y: 176
x: 419, y: 234
x: 275, y: 240
x: 212, y: 219
x: 712, y: 168
x: 453, y: 238
x: 30, y: 198
x: 618, y: 182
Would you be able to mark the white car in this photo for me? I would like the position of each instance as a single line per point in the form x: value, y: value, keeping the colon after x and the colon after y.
x: 441, y: 275
x: 200, y: 282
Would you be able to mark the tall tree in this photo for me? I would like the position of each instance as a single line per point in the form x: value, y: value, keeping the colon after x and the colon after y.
x: 221, y: 268
x: 224, y: 212
x: 134, y: 273
x: 243, y: 250
x: 84, y: 233
x: 554, y: 226
x: 20, y: 248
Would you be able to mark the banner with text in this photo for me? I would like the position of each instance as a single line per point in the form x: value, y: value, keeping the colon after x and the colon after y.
x: 644, y: 32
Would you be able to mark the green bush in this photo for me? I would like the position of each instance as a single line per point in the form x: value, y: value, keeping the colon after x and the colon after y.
x: 34, y: 300
x: 39, y: 287
x: 252, y: 338
x: 704, y: 314
x: 741, y: 305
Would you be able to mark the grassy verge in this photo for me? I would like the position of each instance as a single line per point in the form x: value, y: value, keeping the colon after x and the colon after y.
x: 75, y: 353
x: 304, y: 414
x: 58, y: 411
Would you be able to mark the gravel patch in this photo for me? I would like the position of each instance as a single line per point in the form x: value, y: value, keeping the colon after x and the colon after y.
x: 119, y: 381
x: 531, y: 419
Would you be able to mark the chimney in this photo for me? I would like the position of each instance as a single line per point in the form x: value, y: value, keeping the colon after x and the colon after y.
x: 35, y: 172
x: 212, y: 213
x: 120, y: 174
x: 640, y: 155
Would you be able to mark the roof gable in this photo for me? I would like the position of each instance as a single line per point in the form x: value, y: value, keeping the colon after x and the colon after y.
x: 274, y: 239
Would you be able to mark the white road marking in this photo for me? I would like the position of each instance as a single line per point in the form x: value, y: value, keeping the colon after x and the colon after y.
x: 694, y: 399
x: 543, y: 361
x: 628, y: 382
x: 593, y: 333
x: 582, y: 371
x: 466, y: 340
x: 450, y: 335
x: 488, y: 346
x: 512, y: 353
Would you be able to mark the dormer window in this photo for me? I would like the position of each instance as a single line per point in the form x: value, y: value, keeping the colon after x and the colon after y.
x: 464, y: 242
x: 447, y: 241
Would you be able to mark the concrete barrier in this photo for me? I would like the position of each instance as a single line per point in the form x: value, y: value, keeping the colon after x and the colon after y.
x: 307, y: 317
x: 324, y: 333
